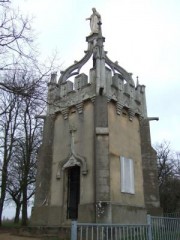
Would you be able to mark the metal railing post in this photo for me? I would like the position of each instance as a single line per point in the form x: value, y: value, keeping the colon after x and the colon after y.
x: 74, y: 230
x: 149, y: 222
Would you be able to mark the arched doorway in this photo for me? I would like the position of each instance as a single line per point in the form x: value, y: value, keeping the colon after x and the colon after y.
x: 73, y: 195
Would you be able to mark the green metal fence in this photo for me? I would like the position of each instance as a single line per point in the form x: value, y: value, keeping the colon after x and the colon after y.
x: 164, y: 228
x: 157, y: 228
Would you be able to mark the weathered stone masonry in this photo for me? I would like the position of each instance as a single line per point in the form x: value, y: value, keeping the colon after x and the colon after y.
x: 96, y: 162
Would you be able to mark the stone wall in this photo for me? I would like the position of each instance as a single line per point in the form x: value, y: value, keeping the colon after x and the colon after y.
x: 149, y: 160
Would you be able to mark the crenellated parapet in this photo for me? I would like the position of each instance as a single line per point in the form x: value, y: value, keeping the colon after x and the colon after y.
x: 106, y: 78
x: 125, y: 95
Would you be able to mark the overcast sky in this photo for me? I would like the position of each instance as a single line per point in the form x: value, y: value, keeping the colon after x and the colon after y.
x: 142, y: 35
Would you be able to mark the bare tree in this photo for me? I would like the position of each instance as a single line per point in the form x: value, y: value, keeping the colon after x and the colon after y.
x: 8, y: 126
x: 165, y: 161
x: 21, y: 166
x: 23, y: 94
x: 18, y: 51
x: 4, y: 1
x: 177, y: 165
x: 31, y: 141
x: 22, y: 170
x: 14, y: 185
x: 168, y: 177
x: 16, y: 40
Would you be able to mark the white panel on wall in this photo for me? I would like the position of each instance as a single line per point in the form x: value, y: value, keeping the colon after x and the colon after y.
x: 127, y: 175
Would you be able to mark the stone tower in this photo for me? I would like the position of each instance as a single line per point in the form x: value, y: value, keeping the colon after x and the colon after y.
x: 96, y: 163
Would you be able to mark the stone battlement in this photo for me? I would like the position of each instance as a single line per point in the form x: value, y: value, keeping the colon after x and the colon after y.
x: 124, y: 94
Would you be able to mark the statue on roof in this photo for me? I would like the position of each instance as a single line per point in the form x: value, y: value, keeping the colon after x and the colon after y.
x: 95, y: 21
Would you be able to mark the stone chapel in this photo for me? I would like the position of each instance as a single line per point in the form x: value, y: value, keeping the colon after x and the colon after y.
x: 96, y: 163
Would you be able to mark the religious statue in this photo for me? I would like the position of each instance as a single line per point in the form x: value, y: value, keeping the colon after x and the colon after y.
x: 95, y: 21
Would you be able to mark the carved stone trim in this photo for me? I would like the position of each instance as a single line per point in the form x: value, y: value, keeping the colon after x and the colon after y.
x: 93, y: 99
x: 140, y: 117
x: 75, y: 68
x: 73, y: 160
x: 79, y: 107
x: 65, y: 113
x: 131, y: 114
x: 108, y: 99
x: 119, y: 108
x: 115, y: 67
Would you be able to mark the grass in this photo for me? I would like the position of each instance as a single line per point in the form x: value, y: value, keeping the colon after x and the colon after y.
x: 52, y: 238
x: 10, y: 224
x: 167, y: 235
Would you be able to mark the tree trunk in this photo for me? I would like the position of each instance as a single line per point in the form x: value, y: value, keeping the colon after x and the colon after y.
x: 24, y: 206
x: 18, y: 208
x: 1, y: 209
x: 3, y: 193
x: 3, y: 190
